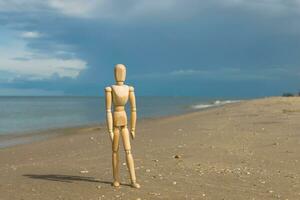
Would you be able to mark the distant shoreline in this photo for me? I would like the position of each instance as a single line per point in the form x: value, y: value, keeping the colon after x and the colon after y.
x: 23, y: 137
x: 11, y: 140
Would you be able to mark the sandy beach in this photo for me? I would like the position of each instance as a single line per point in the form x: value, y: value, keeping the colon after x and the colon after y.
x: 246, y: 150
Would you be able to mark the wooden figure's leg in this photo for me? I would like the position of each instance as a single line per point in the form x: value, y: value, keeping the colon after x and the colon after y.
x: 129, y: 157
x: 115, y: 157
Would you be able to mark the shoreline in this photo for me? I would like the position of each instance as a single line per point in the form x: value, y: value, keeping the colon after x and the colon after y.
x: 27, y: 137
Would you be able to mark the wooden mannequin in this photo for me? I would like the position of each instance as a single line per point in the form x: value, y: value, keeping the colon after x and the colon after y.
x: 118, y: 95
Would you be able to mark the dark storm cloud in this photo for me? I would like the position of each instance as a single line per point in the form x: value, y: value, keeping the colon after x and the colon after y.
x: 183, y: 36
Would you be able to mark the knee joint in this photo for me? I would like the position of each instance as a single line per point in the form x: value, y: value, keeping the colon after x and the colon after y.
x: 115, y: 150
x: 128, y: 151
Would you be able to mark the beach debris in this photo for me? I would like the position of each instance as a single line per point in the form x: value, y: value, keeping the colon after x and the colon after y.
x: 203, y: 195
x: 84, y: 171
x: 290, y: 176
x: 148, y: 170
x: 123, y: 163
x: 174, y: 182
x: 179, y: 129
x: 278, y: 196
x: 160, y: 176
x: 181, y: 145
x: 118, y: 196
x: 99, y: 186
x: 155, y: 160
x: 138, y: 198
x: 92, y: 138
x: 13, y: 167
x: 275, y: 143
x: 154, y: 193
x: 271, y: 191
x: 177, y: 156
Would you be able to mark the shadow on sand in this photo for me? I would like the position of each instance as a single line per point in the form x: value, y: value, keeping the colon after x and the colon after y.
x: 66, y: 178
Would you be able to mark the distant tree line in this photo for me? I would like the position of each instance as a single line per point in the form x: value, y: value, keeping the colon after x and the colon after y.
x: 290, y: 94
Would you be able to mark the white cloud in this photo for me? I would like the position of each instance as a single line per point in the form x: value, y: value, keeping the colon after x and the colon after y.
x: 266, y: 73
x: 30, y: 34
x: 120, y: 10
x: 29, y: 92
x: 263, y: 73
x: 77, y: 8
x: 109, y: 9
x: 21, y: 5
x: 266, y: 6
x: 132, y: 9
x: 234, y: 74
x: 18, y: 62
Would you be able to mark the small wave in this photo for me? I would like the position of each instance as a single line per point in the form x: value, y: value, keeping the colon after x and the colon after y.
x: 214, y: 104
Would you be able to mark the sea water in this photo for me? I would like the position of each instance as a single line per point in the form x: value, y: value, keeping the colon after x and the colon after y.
x: 22, y: 115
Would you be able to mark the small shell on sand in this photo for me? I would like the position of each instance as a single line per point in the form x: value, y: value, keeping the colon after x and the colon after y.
x: 154, y: 193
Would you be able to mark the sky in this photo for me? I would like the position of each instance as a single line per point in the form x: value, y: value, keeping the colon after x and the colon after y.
x: 212, y: 48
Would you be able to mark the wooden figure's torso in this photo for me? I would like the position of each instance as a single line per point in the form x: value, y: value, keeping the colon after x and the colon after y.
x: 120, y: 94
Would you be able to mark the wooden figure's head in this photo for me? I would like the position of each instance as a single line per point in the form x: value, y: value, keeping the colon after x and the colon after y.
x: 120, y: 73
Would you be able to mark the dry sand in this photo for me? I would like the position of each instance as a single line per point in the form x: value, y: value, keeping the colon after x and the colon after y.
x: 247, y: 150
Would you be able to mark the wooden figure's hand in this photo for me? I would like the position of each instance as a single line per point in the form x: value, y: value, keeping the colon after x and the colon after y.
x: 132, y: 134
x: 111, y: 135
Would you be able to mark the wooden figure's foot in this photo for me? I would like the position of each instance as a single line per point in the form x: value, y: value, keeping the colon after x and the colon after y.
x: 135, y: 185
x: 116, y: 184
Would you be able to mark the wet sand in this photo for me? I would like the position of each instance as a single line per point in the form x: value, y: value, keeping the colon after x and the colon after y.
x: 247, y: 150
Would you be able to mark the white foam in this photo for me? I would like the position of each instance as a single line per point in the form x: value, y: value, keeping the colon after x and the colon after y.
x: 214, y: 104
x: 201, y: 106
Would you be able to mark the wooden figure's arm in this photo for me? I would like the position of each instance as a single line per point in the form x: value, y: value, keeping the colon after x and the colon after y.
x: 133, y: 111
x: 109, y: 118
